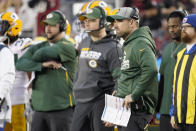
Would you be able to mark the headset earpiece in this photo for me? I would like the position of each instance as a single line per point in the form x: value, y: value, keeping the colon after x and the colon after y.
x: 62, y: 22
x: 103, y: 17
x: 4, y: 27
x: 135, y: 13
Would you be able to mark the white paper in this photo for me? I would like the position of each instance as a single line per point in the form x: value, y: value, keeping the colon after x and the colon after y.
x: 114, y: 112
x: 63, y: 68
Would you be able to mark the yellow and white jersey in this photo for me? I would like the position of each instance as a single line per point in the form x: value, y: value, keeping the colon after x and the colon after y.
x: 19, y: 93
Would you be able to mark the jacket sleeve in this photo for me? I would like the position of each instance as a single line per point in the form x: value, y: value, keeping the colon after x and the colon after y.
x: 161, y: 82
x: 114, y: 61
x: 146, y: 60
x: 26, y: 63
x: 59, y: 52
x: 160, y: 93
x: 8, y: 72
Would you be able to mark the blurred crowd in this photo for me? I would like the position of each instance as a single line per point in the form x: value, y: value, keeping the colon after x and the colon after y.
x: 152, y: 12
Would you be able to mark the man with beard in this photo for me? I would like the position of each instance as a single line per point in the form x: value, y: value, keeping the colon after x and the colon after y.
x: 167, y: 67
x: 138, y: 79
x: 53, y: 62
x: 184, y: 96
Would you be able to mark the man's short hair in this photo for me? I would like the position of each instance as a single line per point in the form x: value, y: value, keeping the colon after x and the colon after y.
x: 177, y: 14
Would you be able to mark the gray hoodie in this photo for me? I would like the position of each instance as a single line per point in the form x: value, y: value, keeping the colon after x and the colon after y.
x: 98, y: 69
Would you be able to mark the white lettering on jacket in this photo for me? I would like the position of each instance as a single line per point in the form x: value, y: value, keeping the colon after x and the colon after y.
x: 90, y: 55
x: 125, y: 64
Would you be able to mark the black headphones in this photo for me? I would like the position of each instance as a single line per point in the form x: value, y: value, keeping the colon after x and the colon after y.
x: 102, y: 17
x: 62, y: 22
x: 4, y: 27
x: 135, y: 13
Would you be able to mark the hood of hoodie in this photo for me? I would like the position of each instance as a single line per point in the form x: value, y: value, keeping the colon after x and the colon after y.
x: 142, y: 32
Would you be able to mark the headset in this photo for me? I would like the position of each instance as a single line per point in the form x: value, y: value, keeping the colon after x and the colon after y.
x: 102, y: 18
x: 4, y: 27
x: 62, y: 22
x: 135, y: 13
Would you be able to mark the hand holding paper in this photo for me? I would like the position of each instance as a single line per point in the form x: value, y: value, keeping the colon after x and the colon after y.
x: 114, y: 113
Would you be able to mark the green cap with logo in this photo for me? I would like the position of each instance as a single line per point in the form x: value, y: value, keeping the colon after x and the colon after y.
x: 94, y: 13
x: 124, y: 13
x: 52, y: 19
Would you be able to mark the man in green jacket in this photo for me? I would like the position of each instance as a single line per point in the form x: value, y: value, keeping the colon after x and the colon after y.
x: 53, y: 62
x: 138, y: 80
x: 168, y: 62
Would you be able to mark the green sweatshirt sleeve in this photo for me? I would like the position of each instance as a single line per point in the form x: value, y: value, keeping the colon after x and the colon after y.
x: 26, y: 63
x: 61, y: 52
x: 165, y: 58
x: 147, y: 62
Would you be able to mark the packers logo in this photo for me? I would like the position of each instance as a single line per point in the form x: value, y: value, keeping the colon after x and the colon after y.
x: 92, y: 63
x: 49, y: 16
x: 89, y: 11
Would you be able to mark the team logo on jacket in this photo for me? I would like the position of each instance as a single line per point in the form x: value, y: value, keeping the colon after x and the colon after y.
x: 125, y: 65
x: 92, y: 63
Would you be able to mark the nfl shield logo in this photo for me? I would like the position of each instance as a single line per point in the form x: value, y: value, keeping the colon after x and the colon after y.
x: 184, y: 20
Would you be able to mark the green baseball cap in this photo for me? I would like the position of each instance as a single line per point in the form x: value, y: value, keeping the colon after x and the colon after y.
x: 52, y: 19
x: 124, y: 13
x: 94, y: 13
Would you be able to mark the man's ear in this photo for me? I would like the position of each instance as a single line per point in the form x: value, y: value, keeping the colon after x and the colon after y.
x: 131, y: 22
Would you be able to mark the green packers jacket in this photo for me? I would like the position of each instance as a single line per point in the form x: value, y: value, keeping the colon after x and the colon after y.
x: 139, y: 70
x: 51, y: 89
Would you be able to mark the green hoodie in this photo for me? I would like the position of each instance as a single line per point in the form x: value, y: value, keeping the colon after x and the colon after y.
x: 51, y: 88
x: 139, y: 69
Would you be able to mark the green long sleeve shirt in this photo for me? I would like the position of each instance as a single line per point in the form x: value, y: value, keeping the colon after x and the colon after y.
x: 52, y: 89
